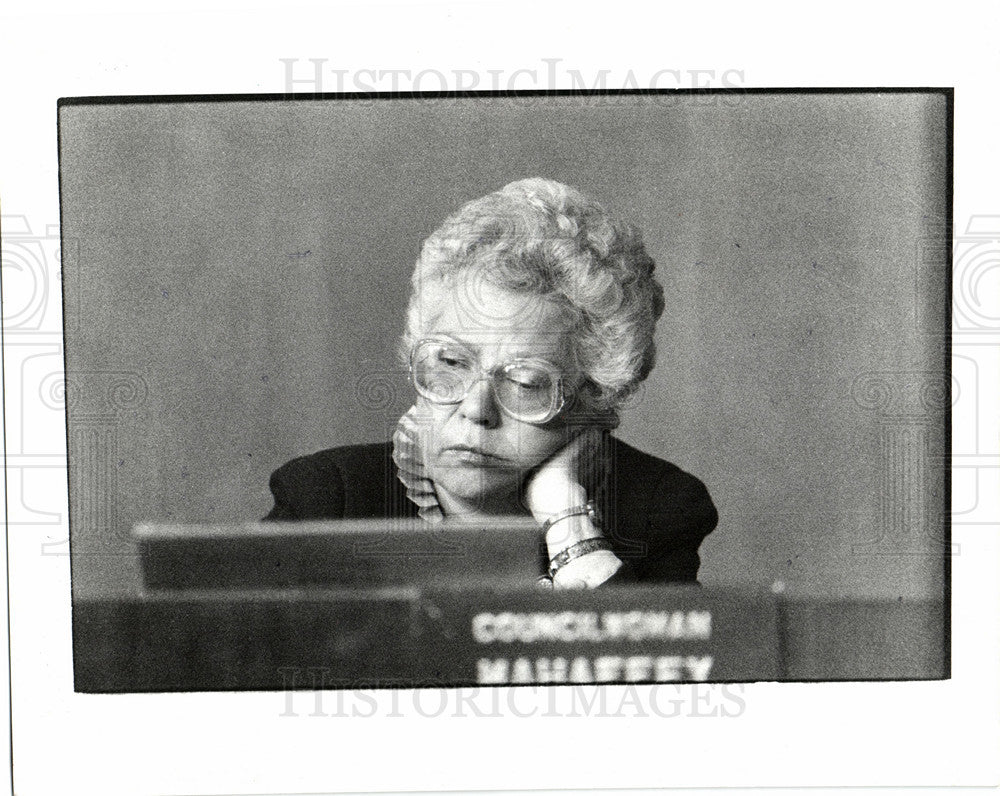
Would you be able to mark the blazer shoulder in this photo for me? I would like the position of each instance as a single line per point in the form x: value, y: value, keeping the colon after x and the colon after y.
x: 345, y: 458
x: 642, y: 470
x: 347, y: 481
x: 663, y: 506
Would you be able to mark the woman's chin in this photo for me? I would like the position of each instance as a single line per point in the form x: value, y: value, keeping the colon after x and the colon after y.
x: 478, y: 487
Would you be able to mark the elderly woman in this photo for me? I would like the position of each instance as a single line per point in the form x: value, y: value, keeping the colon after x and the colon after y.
x: 530, y: 323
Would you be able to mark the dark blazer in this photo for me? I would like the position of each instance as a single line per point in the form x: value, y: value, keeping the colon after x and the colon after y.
x: 655, y: 514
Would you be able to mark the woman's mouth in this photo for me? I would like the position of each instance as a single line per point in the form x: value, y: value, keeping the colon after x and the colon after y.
x: 467, y: 454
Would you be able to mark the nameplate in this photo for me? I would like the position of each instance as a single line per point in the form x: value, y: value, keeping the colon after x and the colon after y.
x: 623, y: 635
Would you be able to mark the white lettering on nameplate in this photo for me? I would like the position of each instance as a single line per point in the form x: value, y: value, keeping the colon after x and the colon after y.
x: 527, y: 628
x: 602, y: 669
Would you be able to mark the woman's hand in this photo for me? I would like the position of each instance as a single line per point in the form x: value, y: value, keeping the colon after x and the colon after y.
x: 408, y: 454
x: 559, y: 482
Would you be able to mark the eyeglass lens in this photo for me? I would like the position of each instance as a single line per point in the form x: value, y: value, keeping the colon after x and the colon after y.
x: 445, y: 373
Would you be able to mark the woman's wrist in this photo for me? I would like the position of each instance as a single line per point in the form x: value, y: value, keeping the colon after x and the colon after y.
x: 569, y: 531
x: 588, y: 571
x: 584, y: 571
x: 545, y: 505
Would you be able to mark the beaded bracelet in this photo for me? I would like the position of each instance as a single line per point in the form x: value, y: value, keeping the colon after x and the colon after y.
x: 577, y: 551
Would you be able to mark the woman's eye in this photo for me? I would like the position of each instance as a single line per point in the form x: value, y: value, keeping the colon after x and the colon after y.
x: 452, y: 361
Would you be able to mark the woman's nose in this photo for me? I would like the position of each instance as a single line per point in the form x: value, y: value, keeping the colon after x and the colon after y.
x: 480, y: 405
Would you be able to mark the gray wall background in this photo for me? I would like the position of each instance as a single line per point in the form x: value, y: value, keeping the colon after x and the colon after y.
x: 236, y: 276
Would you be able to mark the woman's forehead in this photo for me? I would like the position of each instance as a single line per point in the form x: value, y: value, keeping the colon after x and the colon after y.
x: 489, y: 317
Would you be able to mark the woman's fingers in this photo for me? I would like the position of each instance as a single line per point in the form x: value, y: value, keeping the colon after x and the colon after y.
x: 422, y: 499
x: 413, y: 477
x: 414, y: 480
x: 411, y: 422
x: 432, y: 514
x: 408, y: 442
x: 406, y: 452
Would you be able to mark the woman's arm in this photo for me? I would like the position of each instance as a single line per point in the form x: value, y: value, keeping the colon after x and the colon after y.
x: 555, y: 489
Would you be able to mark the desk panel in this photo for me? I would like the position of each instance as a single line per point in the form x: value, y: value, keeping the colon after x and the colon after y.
x: 308, y: 639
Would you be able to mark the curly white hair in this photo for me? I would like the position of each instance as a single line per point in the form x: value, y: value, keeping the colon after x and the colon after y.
x: 542, y: 237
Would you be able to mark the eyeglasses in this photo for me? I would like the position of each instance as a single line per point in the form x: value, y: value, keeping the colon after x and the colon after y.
x: 530, y: 390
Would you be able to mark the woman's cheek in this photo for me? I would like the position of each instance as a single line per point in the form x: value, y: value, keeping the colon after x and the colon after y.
x: 538, y: 444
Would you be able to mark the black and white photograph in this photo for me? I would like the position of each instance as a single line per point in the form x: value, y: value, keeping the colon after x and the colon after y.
x: 540, y: 388
x: 499, y: 397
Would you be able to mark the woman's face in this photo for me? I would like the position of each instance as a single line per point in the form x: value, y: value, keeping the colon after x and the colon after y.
x: 477, y: 454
